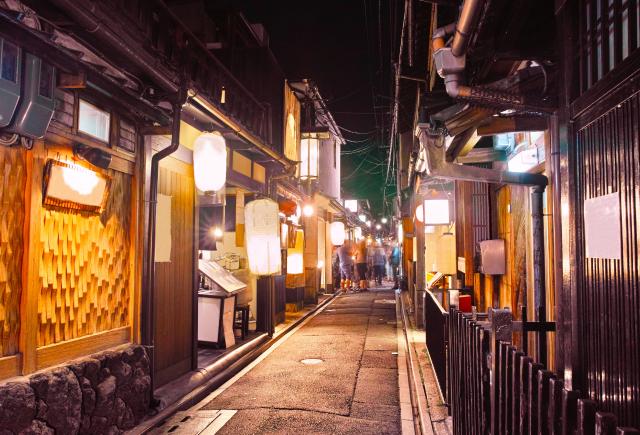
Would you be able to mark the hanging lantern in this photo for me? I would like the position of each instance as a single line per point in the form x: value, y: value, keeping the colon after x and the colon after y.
x: 210, y: 162
x: 262, y: 231
x: 337, y: 233
x: 295, y: 264
x: 446, y: 255
x: 433, y: 212
x: 309, y: 152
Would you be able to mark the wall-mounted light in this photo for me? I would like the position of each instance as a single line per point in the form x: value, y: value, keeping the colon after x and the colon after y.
x: 97, y: 157
x: 337, y: 233
x: 307, y: 210
x: 262, y: 232
x: 210, y: 162
x: 67, y: 185
x: 217, y: 232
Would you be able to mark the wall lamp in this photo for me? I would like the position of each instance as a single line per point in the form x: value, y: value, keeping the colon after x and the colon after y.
x: 95, y: 156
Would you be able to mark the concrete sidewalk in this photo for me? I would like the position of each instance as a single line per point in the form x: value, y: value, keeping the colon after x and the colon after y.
x: 337, y: 374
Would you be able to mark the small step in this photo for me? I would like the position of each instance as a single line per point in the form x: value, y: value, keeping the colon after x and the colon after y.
x: 204, y: 422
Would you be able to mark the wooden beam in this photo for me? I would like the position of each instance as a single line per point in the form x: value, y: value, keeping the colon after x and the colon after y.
x: 511, y: 124
x: 462, y: 144
x: 10, y: 366
x: 72, y: 81
x: 53, y: 354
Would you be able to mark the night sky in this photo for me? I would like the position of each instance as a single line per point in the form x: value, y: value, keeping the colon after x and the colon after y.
x: 344, y: 46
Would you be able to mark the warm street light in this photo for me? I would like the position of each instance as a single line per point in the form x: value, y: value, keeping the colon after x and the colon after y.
x: 216, y: 232
x: 378, y: 226
x: 362, y: 218
x: 295, y: 264
x: 384, y: 220
x: 210, y: 162
x: 307, y: 210
x: 369, y: 224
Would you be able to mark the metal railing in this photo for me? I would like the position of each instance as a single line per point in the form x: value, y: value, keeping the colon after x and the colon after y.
x: 495, y: 388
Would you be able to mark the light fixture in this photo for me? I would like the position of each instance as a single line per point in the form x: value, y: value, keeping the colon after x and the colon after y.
x: 216, y: 232
x: 384, y: 220
x: 378, y: 226
x: 369, y: 224
x: 309, y: 152
x: 262, y: 233
x: 95, y: 156
x: 67, y: 185
x: 433, y: 212
x: 307, y: 210
x: 357, y: 233
x: 337, y: 233
x: 320, y: 264
x: 400, y: 232
x: 210, y: 162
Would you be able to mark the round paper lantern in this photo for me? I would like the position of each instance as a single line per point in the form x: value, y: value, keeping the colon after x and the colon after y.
x: 337, y: 233
x: 210, y: 162
x: 262, y: 232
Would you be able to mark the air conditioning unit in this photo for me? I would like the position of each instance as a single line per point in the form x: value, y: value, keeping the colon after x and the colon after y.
x: 38, y: 100
x: 492, y: 257
x: 10, y: 80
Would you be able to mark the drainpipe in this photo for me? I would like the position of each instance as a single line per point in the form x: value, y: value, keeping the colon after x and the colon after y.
x: 438, y: 167
x: 450, y: 64
x: 148, y: 274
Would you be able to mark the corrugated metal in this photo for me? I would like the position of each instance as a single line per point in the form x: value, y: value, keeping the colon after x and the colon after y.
x: 608, y: 291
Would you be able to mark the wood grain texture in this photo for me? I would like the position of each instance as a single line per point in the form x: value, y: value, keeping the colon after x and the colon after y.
x: 12, y: 212
x: 57, y: 353
x: 84, y: 268
x: 174, y: 279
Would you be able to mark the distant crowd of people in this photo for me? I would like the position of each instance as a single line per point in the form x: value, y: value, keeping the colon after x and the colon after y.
x: 356, y: 264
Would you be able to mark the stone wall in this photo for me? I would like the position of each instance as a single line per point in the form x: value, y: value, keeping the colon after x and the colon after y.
x: 105, y: 393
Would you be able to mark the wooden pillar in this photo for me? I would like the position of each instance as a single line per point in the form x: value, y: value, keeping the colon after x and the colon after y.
x: 311, y: 258
x: 420, y: 271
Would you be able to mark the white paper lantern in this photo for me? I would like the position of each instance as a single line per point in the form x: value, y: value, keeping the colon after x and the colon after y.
x: 210, y: 162
x: 295, y: 260
x: 262, y: 232
x: 337, y: 233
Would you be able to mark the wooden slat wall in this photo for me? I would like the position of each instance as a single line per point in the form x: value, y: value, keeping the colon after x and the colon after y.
x: 513, y: 219
x: 174, y: 280
x: 608, y: 291
x: 12, y: 204
x: 84, y: 269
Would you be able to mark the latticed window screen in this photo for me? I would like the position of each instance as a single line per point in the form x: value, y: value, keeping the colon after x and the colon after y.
x: 609, y: 31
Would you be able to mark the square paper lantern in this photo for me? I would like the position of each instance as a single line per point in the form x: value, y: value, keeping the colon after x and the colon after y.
x: 309, y: 152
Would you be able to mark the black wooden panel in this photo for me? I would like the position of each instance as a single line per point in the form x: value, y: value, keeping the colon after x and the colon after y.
x: 608, y: 158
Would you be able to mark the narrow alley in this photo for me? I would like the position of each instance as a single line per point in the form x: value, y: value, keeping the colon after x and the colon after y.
x: 337, y: 373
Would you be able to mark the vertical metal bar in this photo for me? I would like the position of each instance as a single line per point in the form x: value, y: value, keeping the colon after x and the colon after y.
x: 604, y: 36
x: 539, y: 285
x: 632, y: 25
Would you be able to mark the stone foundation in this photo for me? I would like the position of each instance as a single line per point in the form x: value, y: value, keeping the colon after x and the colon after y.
x: 105, y: 393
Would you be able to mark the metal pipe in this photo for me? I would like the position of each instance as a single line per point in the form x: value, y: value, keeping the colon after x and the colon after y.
x: 85, y: 14
x: 466, y: 23
x: 539, y: 286
x: 148, y: 275
x: 438, y: 167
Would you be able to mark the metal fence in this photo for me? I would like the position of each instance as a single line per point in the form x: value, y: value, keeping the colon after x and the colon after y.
x: 495, y: 388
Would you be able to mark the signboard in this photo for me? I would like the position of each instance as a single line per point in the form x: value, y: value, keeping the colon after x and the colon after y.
x: 602, y: 227
x: 220, y: 276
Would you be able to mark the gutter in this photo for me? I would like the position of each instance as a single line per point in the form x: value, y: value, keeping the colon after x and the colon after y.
x: 240, y: 131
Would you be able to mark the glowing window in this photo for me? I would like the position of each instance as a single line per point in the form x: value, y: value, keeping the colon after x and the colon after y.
x: 93, y: 121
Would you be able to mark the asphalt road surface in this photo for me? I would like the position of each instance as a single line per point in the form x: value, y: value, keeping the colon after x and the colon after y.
x: 349, y: 386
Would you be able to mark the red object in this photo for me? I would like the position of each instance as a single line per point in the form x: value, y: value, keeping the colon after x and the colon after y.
x: 464, y: 302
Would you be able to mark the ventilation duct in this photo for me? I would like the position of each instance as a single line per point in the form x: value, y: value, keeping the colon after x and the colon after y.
x: 10, y: 80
